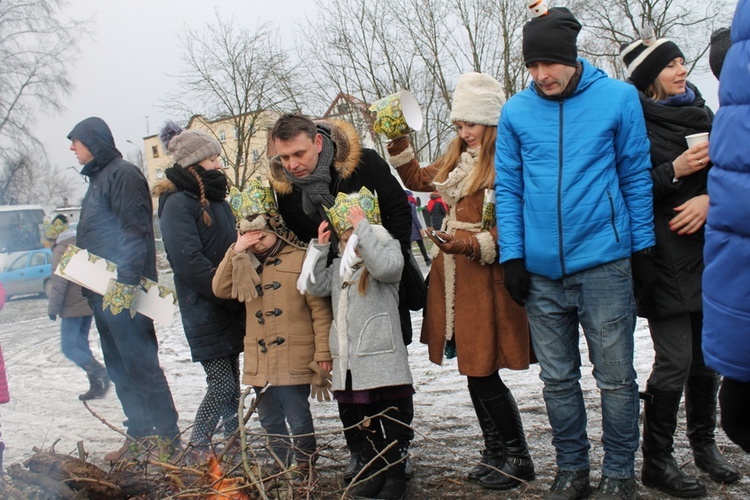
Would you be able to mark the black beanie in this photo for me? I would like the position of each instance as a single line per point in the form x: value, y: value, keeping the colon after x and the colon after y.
x: 551, y: 38
x: 645, y: 62
x: 720, y: 43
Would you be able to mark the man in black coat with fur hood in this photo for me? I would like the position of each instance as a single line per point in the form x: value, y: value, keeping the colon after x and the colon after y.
x: 116, y: 223
x: 315, y: 162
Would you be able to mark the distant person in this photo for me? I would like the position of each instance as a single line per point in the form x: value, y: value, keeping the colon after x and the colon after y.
x: 370, y: 361
x: 574, y: 204
x: 416, y: 228
x: 261, y: 270
x: 116, y: 223
x: 726, y: 279
x: 67, y: 302
x: 469, y: 314
x: 438, y: 209
x: 198, y: 227
x: 315, y: 162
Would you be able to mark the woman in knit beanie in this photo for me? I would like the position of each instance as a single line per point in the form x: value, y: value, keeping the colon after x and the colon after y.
x: 198, y: 227
x: 471, y: 314
x: 672, y: 302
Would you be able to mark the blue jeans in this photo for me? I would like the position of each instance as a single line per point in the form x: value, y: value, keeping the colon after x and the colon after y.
x: 282, y: 404
x: 74, y: 339
x: 601, y: 300
x: 131, y: 355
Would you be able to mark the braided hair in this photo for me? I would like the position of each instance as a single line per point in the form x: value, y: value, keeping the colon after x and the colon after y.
x: 204, y: 201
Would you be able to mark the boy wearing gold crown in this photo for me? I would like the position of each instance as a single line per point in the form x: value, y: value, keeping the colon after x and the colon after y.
x: 286, y: 338
x: 370, y: 361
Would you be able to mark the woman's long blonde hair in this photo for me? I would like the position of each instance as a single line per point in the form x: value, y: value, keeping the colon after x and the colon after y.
x: 483, y: 174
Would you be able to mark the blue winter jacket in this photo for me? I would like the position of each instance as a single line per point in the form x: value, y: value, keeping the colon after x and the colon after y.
x: 726, y: 278
x: 573, y: 185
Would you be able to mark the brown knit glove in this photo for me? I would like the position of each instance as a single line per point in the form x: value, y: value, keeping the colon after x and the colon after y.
x: 321, y: 382
x: 244, y: 277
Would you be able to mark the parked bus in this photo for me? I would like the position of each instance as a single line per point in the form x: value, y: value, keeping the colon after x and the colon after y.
x: 21, y: 227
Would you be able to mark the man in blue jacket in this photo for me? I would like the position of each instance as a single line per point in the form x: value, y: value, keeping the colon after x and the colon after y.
x: 574, y: 203
x: 116, y: 224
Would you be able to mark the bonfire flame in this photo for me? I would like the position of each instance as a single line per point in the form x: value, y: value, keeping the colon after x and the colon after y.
x: 225, y: 487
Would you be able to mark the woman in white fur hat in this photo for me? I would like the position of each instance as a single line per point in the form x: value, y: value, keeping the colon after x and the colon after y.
x: 469, y: 312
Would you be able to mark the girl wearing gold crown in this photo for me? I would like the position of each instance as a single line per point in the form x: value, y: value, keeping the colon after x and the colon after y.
x: 197, y: 227
x: 469, y: 312
x: 370, y: 365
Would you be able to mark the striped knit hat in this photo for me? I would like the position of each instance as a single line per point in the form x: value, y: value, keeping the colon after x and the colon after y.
x: 645, y: 58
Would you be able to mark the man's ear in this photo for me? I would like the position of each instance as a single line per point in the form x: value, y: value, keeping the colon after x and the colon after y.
x: 318, y: 143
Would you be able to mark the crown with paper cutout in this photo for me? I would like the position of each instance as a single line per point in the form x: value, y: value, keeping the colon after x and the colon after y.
x: 256, y: 198
x: 367, y: 201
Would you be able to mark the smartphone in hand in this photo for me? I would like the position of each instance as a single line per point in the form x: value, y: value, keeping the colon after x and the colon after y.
x: 434, y: 234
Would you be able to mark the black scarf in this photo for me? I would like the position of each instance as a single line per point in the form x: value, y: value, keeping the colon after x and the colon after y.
x: 214, y: 181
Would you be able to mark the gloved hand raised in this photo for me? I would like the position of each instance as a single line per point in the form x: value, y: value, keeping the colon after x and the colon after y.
x: 517, y: 280
x: 348, y: 256
x: 311, y: 257
x: 321, y: 382
x: 452, y: 244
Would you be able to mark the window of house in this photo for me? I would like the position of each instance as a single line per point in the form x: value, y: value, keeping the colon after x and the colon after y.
x: 256, y: 155
x: 236, y: 133
x: 155, y: 151
x: 222, y: 136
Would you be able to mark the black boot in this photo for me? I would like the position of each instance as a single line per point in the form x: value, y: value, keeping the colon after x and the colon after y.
x: 701, y: 395
x: 351, y: 415
x: 98, y: 381
x: 659, y: 467
x: 492, y: 454
x: 372, y: 477
x: 517, y: 465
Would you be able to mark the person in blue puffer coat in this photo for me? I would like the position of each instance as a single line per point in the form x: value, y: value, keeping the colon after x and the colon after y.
x: 574, y: 203
x: 726, y: 278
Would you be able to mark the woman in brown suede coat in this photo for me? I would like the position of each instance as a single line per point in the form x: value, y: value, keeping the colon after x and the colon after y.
x: 469, y: 312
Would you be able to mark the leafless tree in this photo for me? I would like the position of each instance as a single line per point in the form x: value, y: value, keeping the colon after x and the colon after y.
x: 36, y: 46
x: 372, y: 48
x: 235, y: 73
x: 610, y: 23
x: 22, y: 181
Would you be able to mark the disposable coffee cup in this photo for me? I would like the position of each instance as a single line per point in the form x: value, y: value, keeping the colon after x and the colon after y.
x: 694, y: 139
x: 397, y: 115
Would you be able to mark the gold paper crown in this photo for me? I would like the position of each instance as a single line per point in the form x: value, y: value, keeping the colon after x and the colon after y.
x: 255, y: 199
x: 344, y: 202
x: 55, y: 229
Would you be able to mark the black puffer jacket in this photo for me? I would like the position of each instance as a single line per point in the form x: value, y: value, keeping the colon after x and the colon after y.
x: 679, y: 258
x: 215, y: 328
x: 116, y: 220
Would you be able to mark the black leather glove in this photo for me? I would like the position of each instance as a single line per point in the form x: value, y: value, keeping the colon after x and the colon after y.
x: 645, y: 274
x: 517, y: 280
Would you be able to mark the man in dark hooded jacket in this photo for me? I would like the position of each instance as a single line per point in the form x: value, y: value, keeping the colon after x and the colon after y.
x: 116, y: 223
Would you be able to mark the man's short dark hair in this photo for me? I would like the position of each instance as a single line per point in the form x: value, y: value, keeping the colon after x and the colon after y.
x: 290, y: 125
x: 61, y: 218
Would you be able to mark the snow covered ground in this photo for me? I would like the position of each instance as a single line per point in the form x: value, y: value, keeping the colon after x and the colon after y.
x: 45, y: 410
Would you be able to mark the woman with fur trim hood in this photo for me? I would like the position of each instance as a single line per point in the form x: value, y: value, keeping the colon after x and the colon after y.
x: 198, y: 227
x: 469, y: 312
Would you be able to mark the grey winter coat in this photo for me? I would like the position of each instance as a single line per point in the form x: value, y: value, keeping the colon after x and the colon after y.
x: 366, y: 331
x: 65, y: 297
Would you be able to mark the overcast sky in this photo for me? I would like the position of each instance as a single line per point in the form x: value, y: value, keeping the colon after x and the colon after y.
x: 121, y: 72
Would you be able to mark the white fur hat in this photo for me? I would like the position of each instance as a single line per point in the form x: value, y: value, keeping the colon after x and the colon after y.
x: 477, y: 99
